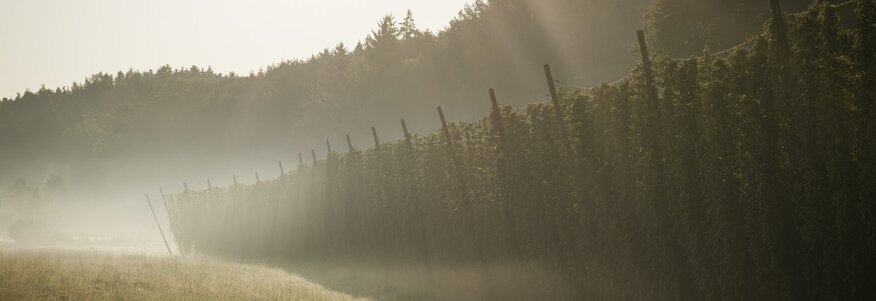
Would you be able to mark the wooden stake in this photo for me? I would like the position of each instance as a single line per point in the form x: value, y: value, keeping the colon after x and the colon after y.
x: 506, y: 152
x: 185, y: 186
x: 258, y: 180
x: 500, y: 128
x: 650, y: 89
x: 210, y: 187
x: 780, y: 29
x: 376, y: 139
x: 328, y: 145
x: 300, y: 159
x: 408, y: 140
x: 349, y: 143
x: 555, y: 99
x: 282, y: 173
x: 464, y: 201
x: 171, y: 217
x: 166, y: 206
x: 313, y: 153
x: 446, y: 130
x: 235, y: 179
x: 159, y: 225
x: 497, y: 117
x: 456, y: 164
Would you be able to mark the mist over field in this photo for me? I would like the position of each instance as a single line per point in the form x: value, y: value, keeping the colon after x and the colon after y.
x: 409, y: 150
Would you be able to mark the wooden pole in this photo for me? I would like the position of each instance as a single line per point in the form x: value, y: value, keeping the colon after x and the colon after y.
x: 646, y: 58
x: 185, y: 187
x: 159, y: 225
x: 497, y: 117
x: 210, y: 187
x: 166, y: 206
x: 376, y: 139
x: 463, y: 190
x: 171, y: 217
x: 780, y: 29
x: 465, y: 205
x: 282, y: 172
x: 258, y: 180
x: 313, y: 153
x: 328, y: 145
x: 558, y: 110
x: 300, y: 159
x: 349, y: 143
x: 505, y: 162
x: 650, y: 89
x: 235, y: 179
x: 408, y: 139
x: 446, y: 131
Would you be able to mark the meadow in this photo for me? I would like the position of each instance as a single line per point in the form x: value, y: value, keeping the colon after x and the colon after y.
x: 89, y: 275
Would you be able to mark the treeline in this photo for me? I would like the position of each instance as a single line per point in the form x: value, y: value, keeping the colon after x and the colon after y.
x: 145, y: 124
x: 750, y: 176
x: 176, y: 120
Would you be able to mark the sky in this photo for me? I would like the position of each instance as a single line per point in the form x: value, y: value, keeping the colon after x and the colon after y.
x: 57, y: 42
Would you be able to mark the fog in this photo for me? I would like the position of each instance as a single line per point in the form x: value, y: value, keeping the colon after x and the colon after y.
x: 515, y: 150
x: 122, y: 134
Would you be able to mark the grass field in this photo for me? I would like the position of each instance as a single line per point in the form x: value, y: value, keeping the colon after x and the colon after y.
x: 82, y: 275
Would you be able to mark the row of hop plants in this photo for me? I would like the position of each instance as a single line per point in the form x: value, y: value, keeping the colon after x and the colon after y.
x: 750, y: 176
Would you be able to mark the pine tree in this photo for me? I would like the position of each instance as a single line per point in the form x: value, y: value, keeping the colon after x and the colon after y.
x: 409, y: 27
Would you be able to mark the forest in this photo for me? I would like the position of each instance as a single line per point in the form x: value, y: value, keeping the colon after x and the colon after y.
x: 92, y: 132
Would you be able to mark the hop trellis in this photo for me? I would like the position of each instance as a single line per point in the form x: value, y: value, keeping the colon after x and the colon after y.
x: 726, y: 177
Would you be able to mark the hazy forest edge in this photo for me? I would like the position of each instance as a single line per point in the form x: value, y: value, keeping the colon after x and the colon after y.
x: 113, y: 126
x: 748, y: 176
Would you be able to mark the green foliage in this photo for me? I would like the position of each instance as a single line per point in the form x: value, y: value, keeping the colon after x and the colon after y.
x: 751, y: 177
x: 173, y: 119
x: 688, y: 27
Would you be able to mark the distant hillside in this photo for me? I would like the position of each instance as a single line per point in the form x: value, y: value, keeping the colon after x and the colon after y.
x: 157, y: 125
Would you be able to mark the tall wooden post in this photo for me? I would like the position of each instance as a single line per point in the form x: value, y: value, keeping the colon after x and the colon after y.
x: 171, y: 217
x: 282, y: 172
x: 235, y: 179
x: 463, y: 190
x: 560, y: 220
x: 159, y: 225
x: 558, y: 110
x: 650, y: 88
x: 497, y: 119
x: 258, y: 180
x: 349, y: 143
x: 780, y: 29
x: 300, y: 160
x: 376, y: 139
x: 414, y: 193
x: 166, y: 206
x: 328, y: 145
x: 446, y: 131
x: 408, y: 141
x: 313, y: 153
x: 210, y: 187
x: 185, y: 187
x: 464, y: 201
x: 504, y: 162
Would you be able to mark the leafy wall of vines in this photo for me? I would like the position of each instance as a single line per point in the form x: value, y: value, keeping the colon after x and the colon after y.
x: 750, y: 176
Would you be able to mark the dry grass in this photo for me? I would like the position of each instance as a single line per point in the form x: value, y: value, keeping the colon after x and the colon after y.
x: 70, y: 275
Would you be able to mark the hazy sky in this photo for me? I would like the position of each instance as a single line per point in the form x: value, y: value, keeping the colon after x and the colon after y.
x: 56, y: 42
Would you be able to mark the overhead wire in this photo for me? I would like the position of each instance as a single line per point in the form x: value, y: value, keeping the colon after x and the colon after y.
x: 719, y: 53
